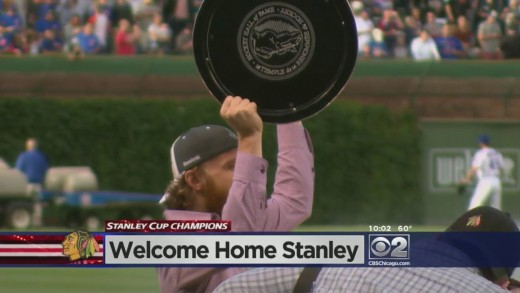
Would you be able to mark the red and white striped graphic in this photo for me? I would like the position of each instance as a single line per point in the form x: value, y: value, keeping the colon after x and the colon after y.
x: 39, y: 250
x: 42, y: 249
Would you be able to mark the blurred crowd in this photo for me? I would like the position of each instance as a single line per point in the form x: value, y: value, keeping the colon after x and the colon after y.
x: 438, y: 29
x: 84, y: 27
x: 418, y: 29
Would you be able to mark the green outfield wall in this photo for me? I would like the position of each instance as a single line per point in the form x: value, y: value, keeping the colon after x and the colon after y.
x: 185, y: 65
x: 366, y: 157
x: 447, y: 150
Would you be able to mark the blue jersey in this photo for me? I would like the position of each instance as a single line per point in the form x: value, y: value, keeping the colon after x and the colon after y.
x: 44, y: 8
x: 14, y: 20
x: 447, y: 46
x: 33, y: 164
x: 50, y: 45
x: 43, y: 25
x: 88, y: 43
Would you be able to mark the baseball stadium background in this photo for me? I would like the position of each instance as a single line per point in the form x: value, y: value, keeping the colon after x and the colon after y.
x: 389, y: 149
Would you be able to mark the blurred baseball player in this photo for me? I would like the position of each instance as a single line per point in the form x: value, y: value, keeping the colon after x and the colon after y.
x: 487, y: 164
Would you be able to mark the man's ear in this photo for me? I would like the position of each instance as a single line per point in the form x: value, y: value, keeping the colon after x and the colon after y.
x: 193, y: 179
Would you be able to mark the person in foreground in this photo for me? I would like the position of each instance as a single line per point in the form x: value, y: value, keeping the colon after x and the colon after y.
x: 218, y: 174
x: 459, y: 275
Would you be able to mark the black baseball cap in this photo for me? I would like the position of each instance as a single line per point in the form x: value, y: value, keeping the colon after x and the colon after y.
x: 485, y: 219
x: 199, y: 144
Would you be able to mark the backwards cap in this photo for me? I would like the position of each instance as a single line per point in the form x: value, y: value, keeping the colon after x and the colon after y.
x: 199, y: 144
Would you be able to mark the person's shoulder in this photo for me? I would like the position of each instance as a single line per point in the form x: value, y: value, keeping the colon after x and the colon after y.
x: 430, y: 40
x: 495, y: 151
x: 481, y: 152
x: 479, y: 155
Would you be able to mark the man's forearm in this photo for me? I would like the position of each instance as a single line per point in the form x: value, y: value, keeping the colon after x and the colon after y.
x: 251, y: 145
x: 470, y: 174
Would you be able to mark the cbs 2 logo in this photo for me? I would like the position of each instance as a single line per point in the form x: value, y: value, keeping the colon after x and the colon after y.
x: 389, y: 246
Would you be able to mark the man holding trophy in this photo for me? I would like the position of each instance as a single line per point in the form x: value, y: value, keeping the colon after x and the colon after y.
x: 220, y: 175
x: 289, y: 60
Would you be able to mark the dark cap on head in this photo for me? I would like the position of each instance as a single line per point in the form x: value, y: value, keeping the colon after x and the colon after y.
x: 485, y: 219
x: 484, y: 139
x: 199, y: 144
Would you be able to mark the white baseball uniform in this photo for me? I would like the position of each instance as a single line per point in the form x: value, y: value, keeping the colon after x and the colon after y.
x: 488, y: 163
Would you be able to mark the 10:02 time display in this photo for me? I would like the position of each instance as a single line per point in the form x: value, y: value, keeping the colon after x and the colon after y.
x: 380, y: 228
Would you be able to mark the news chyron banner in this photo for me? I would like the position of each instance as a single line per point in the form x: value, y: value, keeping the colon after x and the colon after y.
x: 211, y: 243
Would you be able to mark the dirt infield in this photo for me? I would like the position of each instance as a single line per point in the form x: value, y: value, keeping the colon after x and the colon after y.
x: 433, y: 97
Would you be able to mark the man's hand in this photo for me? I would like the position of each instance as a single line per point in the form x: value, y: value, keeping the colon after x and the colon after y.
x: 461, y: 188
x: 241, y: 115
x: 465, y: 181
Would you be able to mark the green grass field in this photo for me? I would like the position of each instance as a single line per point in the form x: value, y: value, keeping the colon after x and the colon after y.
x: 114, y: 280
x: 78, y: 280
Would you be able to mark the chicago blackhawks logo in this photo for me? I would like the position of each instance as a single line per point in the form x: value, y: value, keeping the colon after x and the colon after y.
x: 79, y: 245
